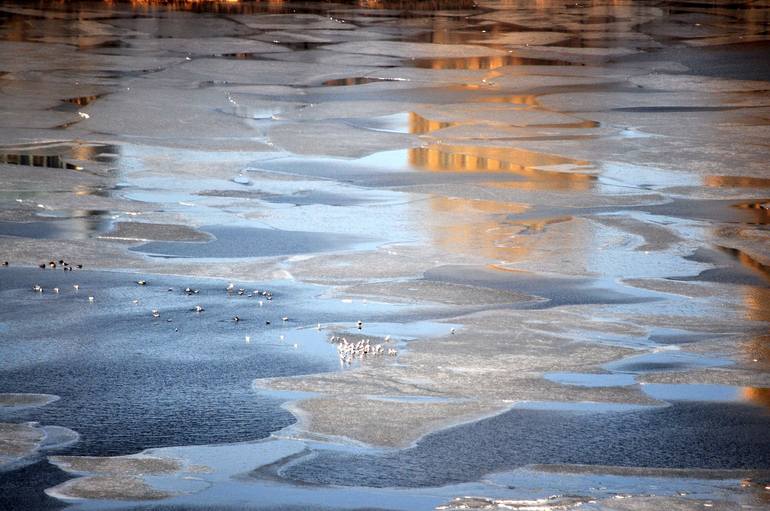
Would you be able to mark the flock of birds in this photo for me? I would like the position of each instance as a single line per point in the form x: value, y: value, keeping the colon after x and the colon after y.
x: 348, y: 351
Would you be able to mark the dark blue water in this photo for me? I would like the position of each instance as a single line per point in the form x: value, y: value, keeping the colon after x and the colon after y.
x: 684, y: 435
x: 128, y: 381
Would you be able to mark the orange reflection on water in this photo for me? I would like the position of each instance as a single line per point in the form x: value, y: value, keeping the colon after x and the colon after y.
x: 757, y: 395
x: 419, y: 125
x: 736, y: 182
x: 756, y: 301
x: 516, y: 99
x: 470, y: 63
x: 455, y: 158
x: 517, y: 162
x: 481, y: 227
x: 759, y: 210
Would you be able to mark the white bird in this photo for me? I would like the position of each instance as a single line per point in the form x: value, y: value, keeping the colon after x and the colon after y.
x: 155, y: 313
x: 91, y: 299
x: 56, y: 290
x: 198, y: 308
x: 76, y: 286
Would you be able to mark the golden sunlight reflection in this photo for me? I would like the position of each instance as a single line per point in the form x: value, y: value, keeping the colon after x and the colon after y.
x: 756, y: 301
x: 757, y: 395
x: 736, y: 182
x: 478, y: 227
x: 419, y: 125
x: 484, y: 228
x: 470, y: 63
x: 516, y: 99
x: 519, y: 163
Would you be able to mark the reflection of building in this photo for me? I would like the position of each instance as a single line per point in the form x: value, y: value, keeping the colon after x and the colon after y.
x: 470, y: 63
x: 485, y: 227
x: 736, y: 182
x: 526, y: 168
x: 250, y: 7
x: 82, y: 223
x: 756, y: 301
x: 419, y: 125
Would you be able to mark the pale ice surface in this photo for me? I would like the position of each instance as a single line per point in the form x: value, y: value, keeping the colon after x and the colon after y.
x: 552, y: 217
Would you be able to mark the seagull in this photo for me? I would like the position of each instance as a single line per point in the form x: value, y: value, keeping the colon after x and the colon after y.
x: 56, y: 290
x: 76, y: 286
x: 37, y: 288
x: 141, y: 282
x: 236, y: 319
x: 198, y: 308
x: 360, y: 324
x: 285, y: 318
x: 230, y: 287
x: 91, y: 299
x: 452, y: 331
x: 155, y: 313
